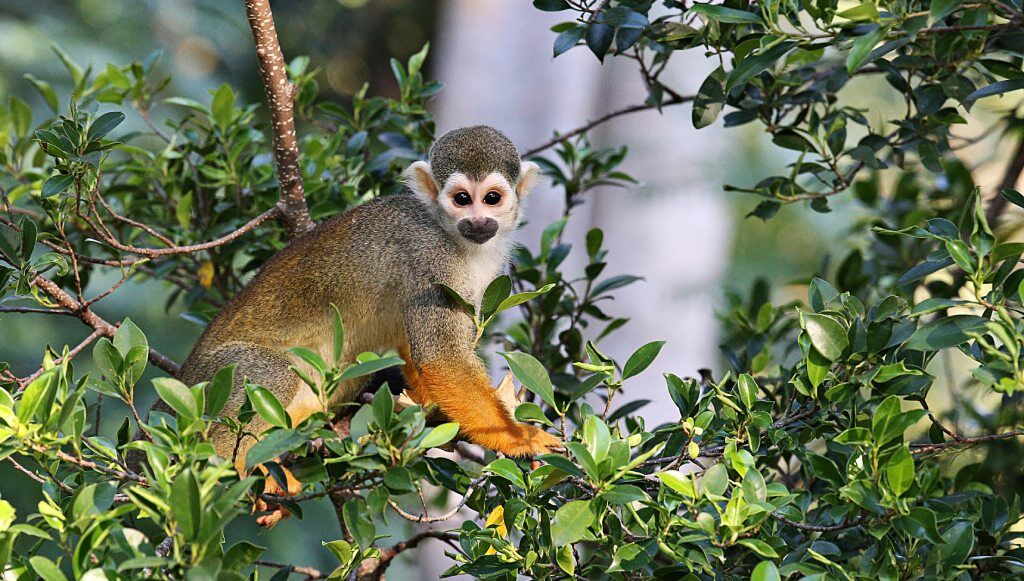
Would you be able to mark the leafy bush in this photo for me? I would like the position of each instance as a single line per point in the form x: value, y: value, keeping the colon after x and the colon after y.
x: 811, y: 453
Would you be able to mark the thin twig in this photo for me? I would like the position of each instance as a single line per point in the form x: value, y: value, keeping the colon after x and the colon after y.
x: 603, y: 119
x: 309, y: 572
x: 426, y: 518
x: 924, y: 448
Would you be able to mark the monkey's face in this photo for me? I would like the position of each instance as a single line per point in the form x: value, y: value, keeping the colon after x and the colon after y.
x: 473, y: 210
x: 479, y: 210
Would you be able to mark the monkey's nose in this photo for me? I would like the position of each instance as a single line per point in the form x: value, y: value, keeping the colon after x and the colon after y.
x: 478, y: 230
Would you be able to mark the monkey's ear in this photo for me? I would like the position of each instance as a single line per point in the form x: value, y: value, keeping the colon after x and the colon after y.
x: 420, y: 180
x: 529, y: 173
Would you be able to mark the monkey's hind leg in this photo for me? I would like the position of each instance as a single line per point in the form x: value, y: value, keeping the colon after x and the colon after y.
x: 267, y: 367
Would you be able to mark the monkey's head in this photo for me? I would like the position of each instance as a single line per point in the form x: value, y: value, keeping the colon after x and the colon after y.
x: 475, y: 180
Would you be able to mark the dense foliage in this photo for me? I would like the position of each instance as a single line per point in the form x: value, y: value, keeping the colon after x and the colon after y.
x: 811, y: 452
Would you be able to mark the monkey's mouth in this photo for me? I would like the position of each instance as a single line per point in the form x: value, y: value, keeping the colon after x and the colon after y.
x: 478, y: 234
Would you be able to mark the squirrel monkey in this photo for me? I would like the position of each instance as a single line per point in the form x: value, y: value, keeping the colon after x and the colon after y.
x: 379, y: 263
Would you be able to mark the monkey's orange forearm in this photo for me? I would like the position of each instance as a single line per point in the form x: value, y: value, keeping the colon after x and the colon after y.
x: 465, y: 395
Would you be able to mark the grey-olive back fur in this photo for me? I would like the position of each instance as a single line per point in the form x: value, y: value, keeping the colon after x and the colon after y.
x: 475, y: 151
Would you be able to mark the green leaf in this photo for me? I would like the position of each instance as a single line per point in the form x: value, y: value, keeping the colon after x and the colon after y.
x: 945, y: 332
x: 272, y: 445
x: 934, y: 304
x: 372, y: 366
x: 753, y: 487
x: 826, y: 334
x: 860, y: 50
x: 676, y: 480
x: 889, y: 421
x: 506, y: 468
x: 104, y: 124
x: 56, y: 184
x: 311, y: 357
x: 715, y: 481
x: 571, y: 522
x: 820, y: 294
x: 177, y: 395
x: 824, y: 468
x: 568, y: 39
x: 440, y: 435
x: 596, y: 437
x: 240, y: 555
x: 566, y: 559
x: 94, y: 499
x: 765, y: 571
x: 358, y: 521
x: 727, y: 15
x: 223, y: 105
x: 219, y: 390
x: 46, y: 90
x: 28, y: 238
x: 899, y: 471
x: 520, y: 298
x: 267, y: 406
x: 186, y: 503
x: 864, y: 11
x: 383, y: 407
x: 747, y: 388
x: 531, y: 412
x: 940, y: 9
x: 496, y: 292
x: 641, y: 359
x: 1013, y: 196
x: 854, y: 436
x: 46, y: 569
x: 624, y: 494
x: 760, y: 547
x: 551, y: 5
x: 961, y: 255
x: 341, y: 550
x: 752, y: 65
x: 958, y: 543
x: 459, y: 300
x: 531, y: 374
x: 710, y: 99
x: 997, y: 88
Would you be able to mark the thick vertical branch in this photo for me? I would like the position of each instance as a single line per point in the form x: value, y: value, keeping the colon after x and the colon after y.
x: 280, y: 95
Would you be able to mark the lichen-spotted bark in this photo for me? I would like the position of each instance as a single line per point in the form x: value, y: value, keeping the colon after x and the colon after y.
x: 280, y: 94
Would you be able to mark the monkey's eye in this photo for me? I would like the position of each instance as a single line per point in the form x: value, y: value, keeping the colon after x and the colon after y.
x: 462, y: 199
x: 492, y: 198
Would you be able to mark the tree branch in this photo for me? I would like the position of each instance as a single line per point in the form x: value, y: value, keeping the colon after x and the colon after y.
x: 426, y: 518
x: 280, y: 95
x: 373, y: 569
x: 924, y: 448
x: 171, y: 250
x: 605, y: 118
x: 95, y: 321
x: 309, y: 572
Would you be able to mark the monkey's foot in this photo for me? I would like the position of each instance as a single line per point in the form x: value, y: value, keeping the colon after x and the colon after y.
x: 275, y: 512
x: 528, y: 440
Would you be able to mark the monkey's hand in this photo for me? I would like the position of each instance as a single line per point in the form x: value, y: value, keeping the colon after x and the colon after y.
x: 275, y: 512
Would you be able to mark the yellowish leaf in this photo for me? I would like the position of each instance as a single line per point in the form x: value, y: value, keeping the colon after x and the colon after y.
x: 206, y: 274
x: 497, y: 520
